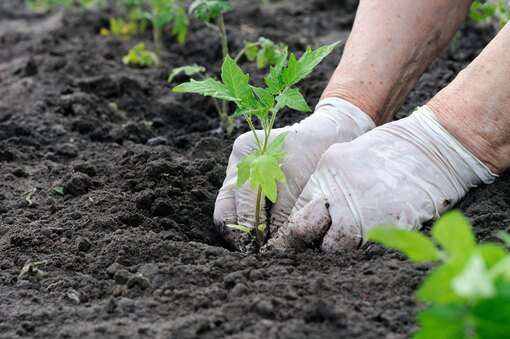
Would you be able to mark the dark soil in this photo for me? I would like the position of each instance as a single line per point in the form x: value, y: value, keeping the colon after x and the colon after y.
x: 130, y: 250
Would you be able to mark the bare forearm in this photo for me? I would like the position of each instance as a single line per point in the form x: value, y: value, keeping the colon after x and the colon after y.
x: 391, y: 44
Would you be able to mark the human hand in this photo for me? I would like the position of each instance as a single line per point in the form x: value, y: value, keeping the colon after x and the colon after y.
x: 403, y: 173
x: 334, y: 121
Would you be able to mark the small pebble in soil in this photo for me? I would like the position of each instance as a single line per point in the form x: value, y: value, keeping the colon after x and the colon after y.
x: 73, y: 295
x: 78, y: 184
x: 83, y: 244
x: 138, y: 280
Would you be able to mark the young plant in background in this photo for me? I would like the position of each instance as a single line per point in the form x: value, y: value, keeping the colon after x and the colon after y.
x: 490, y: 10
x: 140, y: 56
x: 468, y: 295
x: 262, y: 167
x: 164, y: 12
x: 264, y: 51
x: 45, y: 6
x: 134, y: 23
x: 160, y: 13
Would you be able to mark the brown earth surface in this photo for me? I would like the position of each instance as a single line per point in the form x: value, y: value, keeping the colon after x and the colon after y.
x: 131, y: 250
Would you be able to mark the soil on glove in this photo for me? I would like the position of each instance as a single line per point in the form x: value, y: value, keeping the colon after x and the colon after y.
x: 131, y: 250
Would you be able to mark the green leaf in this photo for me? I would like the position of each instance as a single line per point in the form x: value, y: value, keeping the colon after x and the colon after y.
x: 275, y: 148
x: 453, y: 232
x: 442, y: 322
x: 491, y: 253
x: 265, y: 171
x: 298, y: 70
x: 180, y: 29
x: 251, y: 50
x: 208, y: 87
x: 261, y: 112
x: 59, y: 190
x: 474, y: 282
x: 293, y: 99
x: 413, y: 244
x: 244, y: 169
x: 274, y: 81
x: 491, y: 318
x: 234, y: 79
x: 139, y: 55
x: 189, y: 70
x: 437, y: 287
x: 265, y: 97
x: 262, y: 227
x: 241, y: 228
x: 208, y: 10
x: 504, y: 237
x: 262, y: 170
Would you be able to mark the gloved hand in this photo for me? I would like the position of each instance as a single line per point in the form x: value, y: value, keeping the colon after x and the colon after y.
x: 403, y: 173
x: 334, y: 121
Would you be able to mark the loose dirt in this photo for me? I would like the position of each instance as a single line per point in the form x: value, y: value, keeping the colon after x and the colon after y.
x: 131, y: 249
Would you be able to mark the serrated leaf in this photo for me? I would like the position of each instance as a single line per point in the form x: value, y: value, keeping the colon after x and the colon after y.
x: 234, y: 79
x: 275, y: 148
x: 241, y: 228
x: 189, y: 70
x: 474, y: 282
x: 262, y: 170
x: 265, y: 171
x: 265, y: 97
x: 208, y: 87
x: 442, y: 322
x: 298, y: 70
x: 274, y: 81
x: 293, y: 99
x: 453, y: 232
x: 413, y: 244
x: 261, y: 112
x: 244, y: 169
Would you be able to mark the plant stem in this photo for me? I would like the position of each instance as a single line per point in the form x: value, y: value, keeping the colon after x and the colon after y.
x: 243, y: 50
x: 224, y: 50
x: 255, y: 134
x: 258, y: 233
x: 223, y: 35
x: 156, y: 35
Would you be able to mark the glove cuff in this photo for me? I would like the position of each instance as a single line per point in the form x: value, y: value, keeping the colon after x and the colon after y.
x: 427, y: 118
x: 335, y: 106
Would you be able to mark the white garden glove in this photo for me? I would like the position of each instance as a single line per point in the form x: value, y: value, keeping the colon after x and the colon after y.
x: 403, y: 173
x: 334, y: 121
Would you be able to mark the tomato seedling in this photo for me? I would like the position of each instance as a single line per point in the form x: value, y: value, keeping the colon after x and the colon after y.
x: 262, y: 167
x: 140, y: 56
x: 468, y: 295
x: 162, y: 13
x: 264, y: 51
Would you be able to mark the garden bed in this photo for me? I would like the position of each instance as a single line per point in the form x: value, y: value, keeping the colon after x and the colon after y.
x: 131, y: 250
